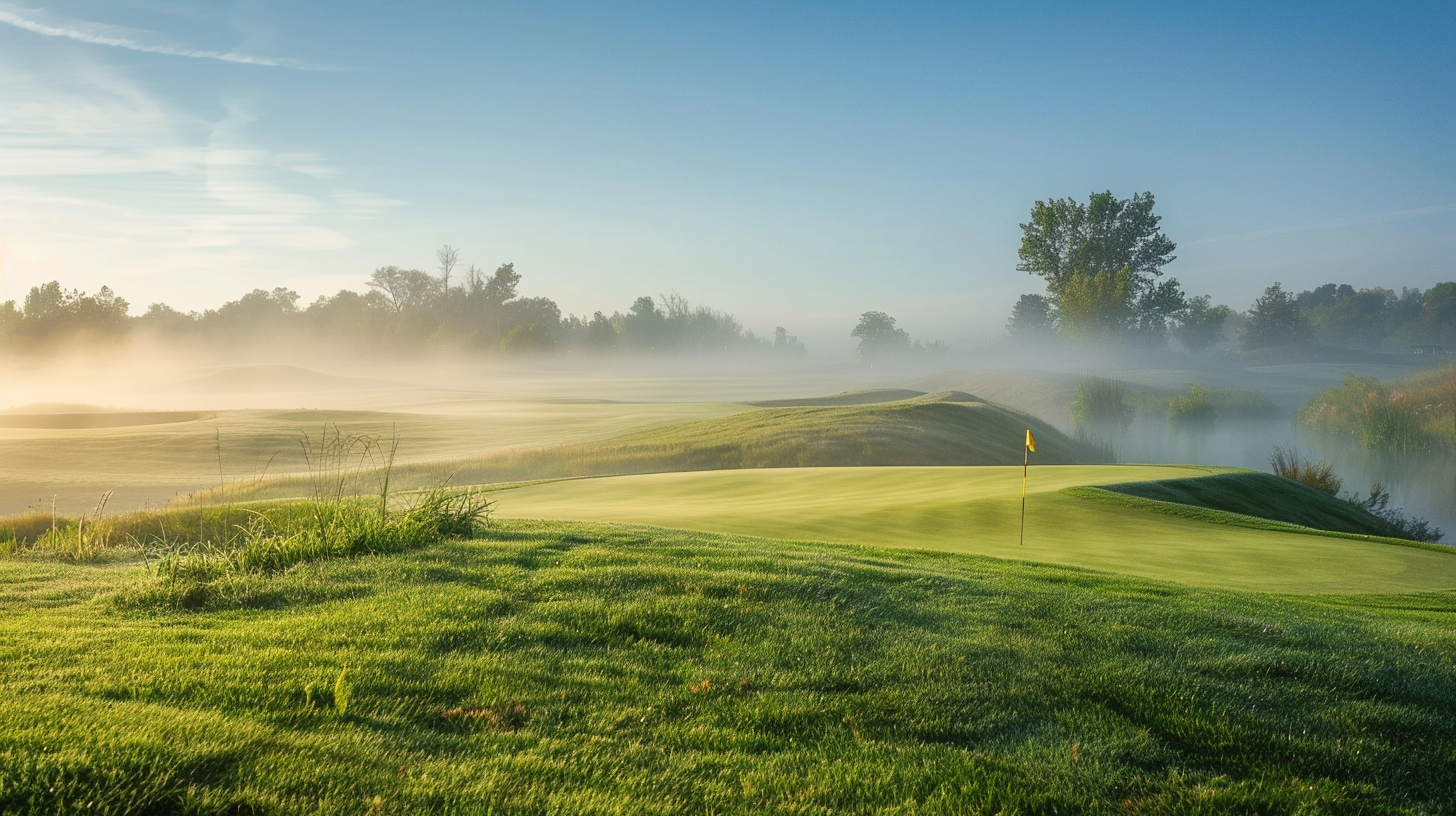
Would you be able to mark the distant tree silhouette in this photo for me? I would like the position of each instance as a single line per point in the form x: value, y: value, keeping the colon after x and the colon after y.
x: 879, y: 336
x: 1275, y: 320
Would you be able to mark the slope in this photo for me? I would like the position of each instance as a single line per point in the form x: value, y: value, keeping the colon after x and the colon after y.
x: 977, y: 510
x: 930, y: 429
x: 599, y: 670
x: 1262, y: 495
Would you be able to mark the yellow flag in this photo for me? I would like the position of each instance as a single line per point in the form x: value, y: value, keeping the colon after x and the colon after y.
x: 1030, y: 443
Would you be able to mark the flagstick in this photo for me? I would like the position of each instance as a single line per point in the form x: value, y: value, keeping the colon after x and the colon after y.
x: 1025, y: 460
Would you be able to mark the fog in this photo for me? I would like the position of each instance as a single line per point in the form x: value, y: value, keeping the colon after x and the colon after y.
x: 214, y: 419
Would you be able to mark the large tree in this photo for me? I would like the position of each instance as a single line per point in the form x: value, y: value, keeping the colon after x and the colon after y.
x: 878, y: 336
x: 1101, y: 262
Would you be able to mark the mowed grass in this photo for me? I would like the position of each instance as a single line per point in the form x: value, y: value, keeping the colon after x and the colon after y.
x: 1264, y: 496
x: 151, y: 464
x: 977, y: 510
x: 925, y: 429
x: 588, y: 669
x: 873, y: 428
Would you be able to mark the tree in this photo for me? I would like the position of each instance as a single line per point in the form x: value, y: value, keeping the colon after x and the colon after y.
x: 51, y: 311
x: 1097, y: 305
x: 501, y: 286
x: 448, y: 257
x: 788, y: 344
x: 1032, y: 318
x: 878, y: 336
x: 1201, y: 325
x: 601, y: 335
x: 644, y: 327
x: 1440, y: 303
x: 403, y: 289
x: 1082, y: 250
x: 1275, y: 320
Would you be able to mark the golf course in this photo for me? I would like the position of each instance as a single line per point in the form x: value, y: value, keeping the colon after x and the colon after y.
x: 977, y: 511
x: 810, y: 605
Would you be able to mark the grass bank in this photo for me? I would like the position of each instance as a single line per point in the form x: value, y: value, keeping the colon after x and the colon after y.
x: 875, y: 428
x: 600, y: 670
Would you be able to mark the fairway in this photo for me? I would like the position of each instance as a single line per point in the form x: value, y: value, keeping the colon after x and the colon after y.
x: 976, y: 510
x: 57, y: 457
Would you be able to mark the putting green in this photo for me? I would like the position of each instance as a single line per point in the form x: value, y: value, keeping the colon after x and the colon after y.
x: 977, y: 510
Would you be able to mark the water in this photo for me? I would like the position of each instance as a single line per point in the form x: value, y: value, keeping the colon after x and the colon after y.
x: 1422, y: 484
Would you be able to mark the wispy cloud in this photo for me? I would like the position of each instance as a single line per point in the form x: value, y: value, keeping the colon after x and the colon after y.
x: 103, y: 180
x: 1343, y: 223
x: 131, y: 39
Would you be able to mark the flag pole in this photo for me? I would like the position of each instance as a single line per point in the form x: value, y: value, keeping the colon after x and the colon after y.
x: 1025, y: 460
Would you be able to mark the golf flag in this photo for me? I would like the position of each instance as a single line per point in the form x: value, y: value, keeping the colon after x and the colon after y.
x: 1025, y: 460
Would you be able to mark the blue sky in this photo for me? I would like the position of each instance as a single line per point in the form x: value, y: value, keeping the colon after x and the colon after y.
x: 793, y: 163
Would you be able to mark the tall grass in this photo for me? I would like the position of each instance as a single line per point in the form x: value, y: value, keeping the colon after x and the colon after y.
x: 1102, y: 404
x: 82, y: 538
x: 188, y: 546
x: 1410, y: 415
x: 1321, y: 476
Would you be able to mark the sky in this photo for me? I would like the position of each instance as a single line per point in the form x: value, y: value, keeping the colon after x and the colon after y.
x: 793, y: 163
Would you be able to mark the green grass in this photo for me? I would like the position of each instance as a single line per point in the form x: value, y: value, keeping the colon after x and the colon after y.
x: 150, y: 465
x: 1411, y: 414
x: 931, y: 429
x: 1262, y: 495
x: 885, y: 430
x: 868, y: 396
x: 600, y: 670
x: 977, y: 510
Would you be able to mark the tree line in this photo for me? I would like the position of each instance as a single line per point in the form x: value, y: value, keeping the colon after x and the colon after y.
x: 401, y: 311
x: 1102, y: 262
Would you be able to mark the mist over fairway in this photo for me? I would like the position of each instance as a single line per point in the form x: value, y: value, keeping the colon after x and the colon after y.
x: 451, y: 415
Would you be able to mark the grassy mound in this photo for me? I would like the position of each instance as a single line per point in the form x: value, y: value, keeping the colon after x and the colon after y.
x: 869, y: 396
x: 1262, y: 495
x: 930, y: 429
x: 595, y: 670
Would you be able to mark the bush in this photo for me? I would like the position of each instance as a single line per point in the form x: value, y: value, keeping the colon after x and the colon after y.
x: 1192, y: 408
x: 1318, y: 475
x: 1378, y: 505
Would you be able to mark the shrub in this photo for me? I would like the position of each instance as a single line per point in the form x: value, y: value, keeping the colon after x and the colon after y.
x: 1318, y: 475
x: 1192, y: 408
x: 1378, y: 505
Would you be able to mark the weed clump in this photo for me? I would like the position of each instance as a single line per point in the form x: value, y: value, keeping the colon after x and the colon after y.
x: 1321, y: 476
x: 333, y: 522
x: 1410, y: 527
x: 1318, y: 475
